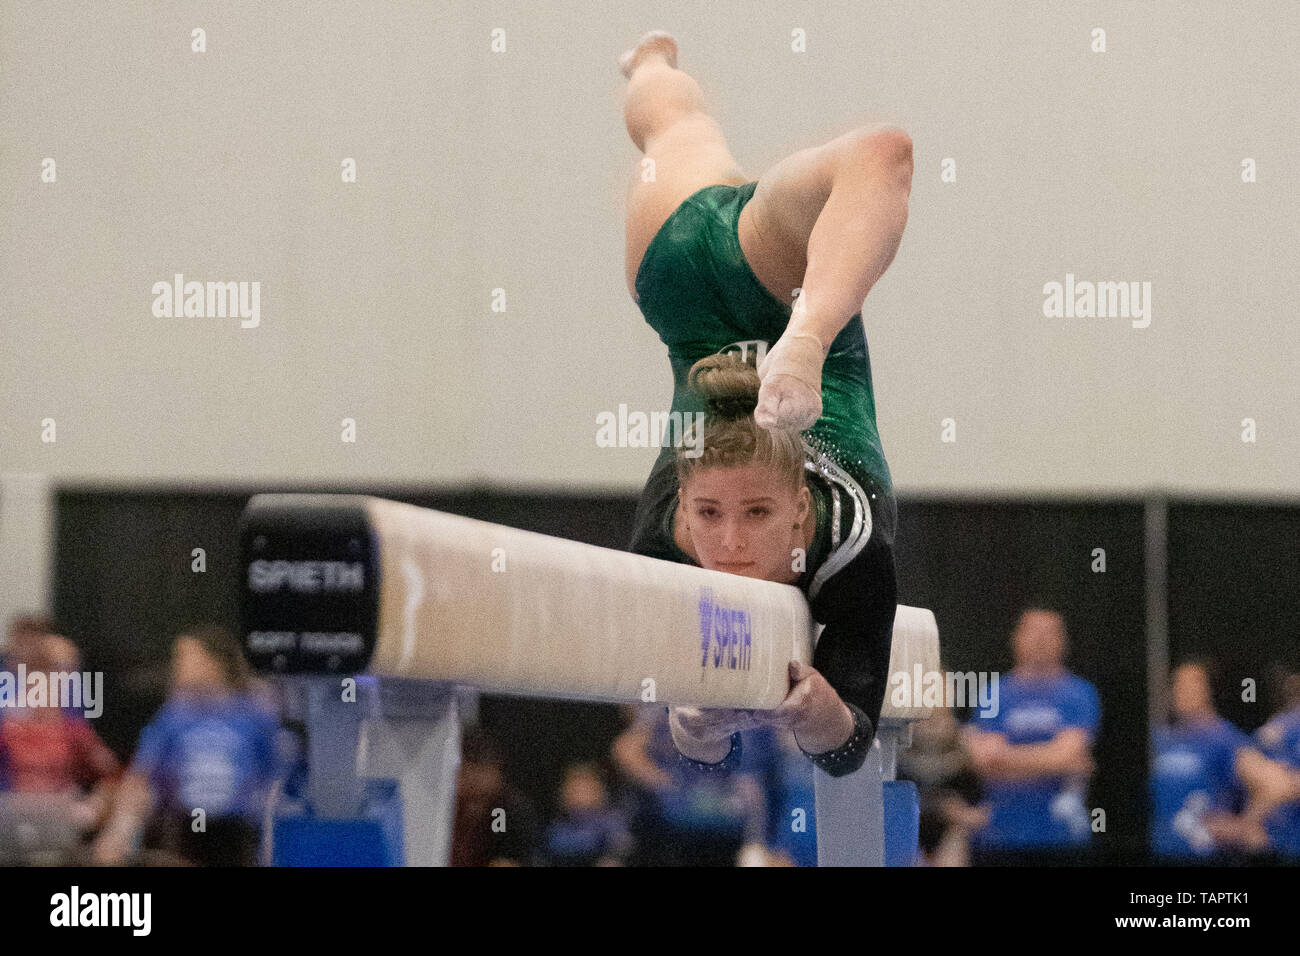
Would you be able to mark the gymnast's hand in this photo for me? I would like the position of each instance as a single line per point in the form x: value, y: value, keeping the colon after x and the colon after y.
x: 790, y: 395
x: 813, y: 710
x: 706, y: 725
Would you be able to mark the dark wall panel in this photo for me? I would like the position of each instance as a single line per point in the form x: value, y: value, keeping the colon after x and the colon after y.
x: 1234, y: 594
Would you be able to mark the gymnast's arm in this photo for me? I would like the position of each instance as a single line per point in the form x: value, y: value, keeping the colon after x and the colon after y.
x: 851, y: 244
x: 856, y: 606
x: 855, y: 236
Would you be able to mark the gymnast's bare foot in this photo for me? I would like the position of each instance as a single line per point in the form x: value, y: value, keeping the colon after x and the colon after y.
x: 654, y: 43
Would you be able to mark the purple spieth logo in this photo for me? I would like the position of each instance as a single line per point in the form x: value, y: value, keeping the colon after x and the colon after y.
x: 726, y: 632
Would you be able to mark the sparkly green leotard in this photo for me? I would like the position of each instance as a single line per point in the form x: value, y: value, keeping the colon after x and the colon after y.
x: 698, y: 293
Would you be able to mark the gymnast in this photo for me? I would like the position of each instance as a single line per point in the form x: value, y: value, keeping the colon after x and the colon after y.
x: 756, y: 288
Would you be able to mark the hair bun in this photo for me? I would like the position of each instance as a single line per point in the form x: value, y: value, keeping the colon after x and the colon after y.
x: 727, y: 383
x: 731, y: 407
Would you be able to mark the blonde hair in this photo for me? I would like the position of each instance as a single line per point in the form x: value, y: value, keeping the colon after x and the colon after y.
x: 729, y: 386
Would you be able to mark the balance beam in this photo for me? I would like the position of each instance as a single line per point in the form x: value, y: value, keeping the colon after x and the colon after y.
x: 350, y: 584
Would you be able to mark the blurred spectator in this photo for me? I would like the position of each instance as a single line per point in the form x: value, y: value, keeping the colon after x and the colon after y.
x: 60, y: 655
x: 1279, y: 740
x: 1211, y: 788
x: 24, y: 633
x: 212, y: 747
x: 18, y: 633
x: 587, y: 831
x: 58, y: 776
x: 948, y: 789
x: 494, y: 824
x: 1194, y: 769
x: 53, y: 749
x: 21, y: 637
x: 1034, y: 755
x: 689, y: 817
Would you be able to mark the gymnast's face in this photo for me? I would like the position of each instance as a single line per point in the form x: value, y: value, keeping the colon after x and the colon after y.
x: 741, y: 519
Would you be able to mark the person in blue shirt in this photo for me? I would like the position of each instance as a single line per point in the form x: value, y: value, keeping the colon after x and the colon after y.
x: 1194, y: 782
x: 212, y: 747
x: 1279, y: 740
x: 1210, y: 786
x: 689, y: 818
x: 1033, y: 755
x: 587, y: 830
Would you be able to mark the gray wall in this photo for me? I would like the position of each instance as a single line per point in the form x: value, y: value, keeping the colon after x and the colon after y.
x: 480, y: 170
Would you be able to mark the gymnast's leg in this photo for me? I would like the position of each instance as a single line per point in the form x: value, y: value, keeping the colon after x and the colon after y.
x: 826, y: 220
x: 665, y: 114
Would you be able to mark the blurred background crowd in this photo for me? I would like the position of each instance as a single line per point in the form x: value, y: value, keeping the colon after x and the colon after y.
x: 1010, y: 785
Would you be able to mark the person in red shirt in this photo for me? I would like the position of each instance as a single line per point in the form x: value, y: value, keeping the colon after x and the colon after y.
x: 48, y: 750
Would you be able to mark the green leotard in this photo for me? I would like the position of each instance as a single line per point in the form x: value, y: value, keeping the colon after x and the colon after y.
x: 698, y: 293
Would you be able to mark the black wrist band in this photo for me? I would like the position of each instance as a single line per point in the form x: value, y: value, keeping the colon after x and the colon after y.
x: 849, y: 756
x: 729, y: 762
